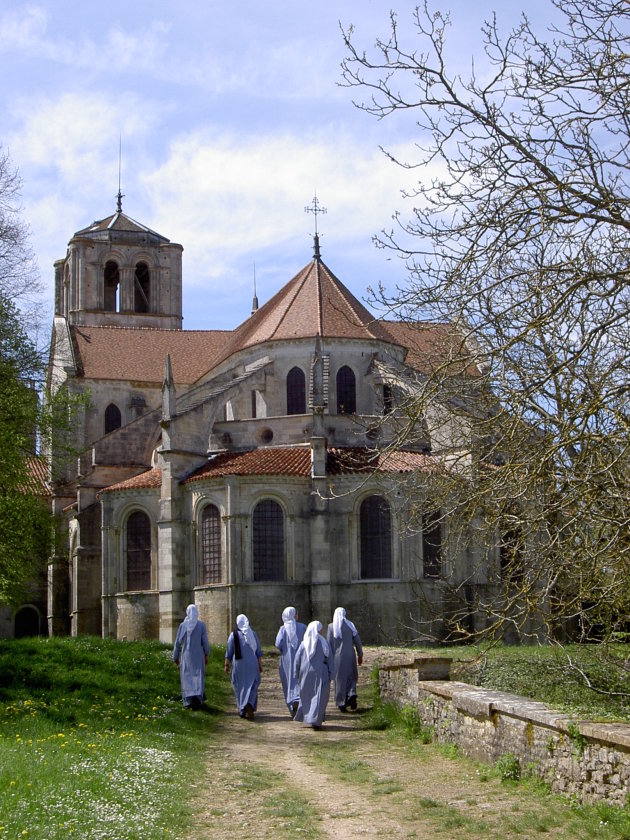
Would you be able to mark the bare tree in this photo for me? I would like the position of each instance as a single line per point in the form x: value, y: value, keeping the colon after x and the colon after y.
x: 19, y: 276
x: 520, y: 240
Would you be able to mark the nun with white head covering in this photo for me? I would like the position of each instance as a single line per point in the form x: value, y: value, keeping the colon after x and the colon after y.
x: 243, y: 656
x: 288, y: 640
x: 313, y: 670
x: 344, y: 640
x: 190, y: 653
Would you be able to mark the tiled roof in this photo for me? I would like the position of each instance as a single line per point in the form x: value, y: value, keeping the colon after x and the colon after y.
x: 313, y: 302
x: 139, y: 354
x: 118, y: 222
x: 291, y: 460
x: 37, y: 481
x: 277, y: 460
x: 144, y: 481
x: 431, y: 345
x: 357, y: 460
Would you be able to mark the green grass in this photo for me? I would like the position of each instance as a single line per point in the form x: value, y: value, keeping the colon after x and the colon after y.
x: 544, y: 673
x: 94, y: 741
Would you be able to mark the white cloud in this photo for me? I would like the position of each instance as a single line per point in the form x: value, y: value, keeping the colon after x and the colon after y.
x: 227, y: 195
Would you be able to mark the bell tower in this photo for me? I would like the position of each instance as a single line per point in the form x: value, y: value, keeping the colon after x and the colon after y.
x: 118, y: 272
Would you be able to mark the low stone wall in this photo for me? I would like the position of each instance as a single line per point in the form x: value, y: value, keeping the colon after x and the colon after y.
x: 586, y: 759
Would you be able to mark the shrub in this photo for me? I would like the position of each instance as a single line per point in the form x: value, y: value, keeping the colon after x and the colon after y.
x: 509, y: 768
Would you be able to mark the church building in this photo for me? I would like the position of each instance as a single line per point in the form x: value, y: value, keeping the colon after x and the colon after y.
x: 243, y: 470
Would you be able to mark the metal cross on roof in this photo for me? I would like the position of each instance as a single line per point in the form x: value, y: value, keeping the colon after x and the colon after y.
x: 315, y: 208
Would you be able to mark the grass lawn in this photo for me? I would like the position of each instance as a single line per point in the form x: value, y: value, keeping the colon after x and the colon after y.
x: 94, y: 741
x: 554, y: 675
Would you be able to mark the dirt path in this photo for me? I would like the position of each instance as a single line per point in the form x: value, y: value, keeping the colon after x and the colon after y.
x: 277, y: 778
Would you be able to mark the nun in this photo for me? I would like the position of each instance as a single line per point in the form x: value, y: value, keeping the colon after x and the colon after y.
x: 190, y: 653
x: 313, y: 671
x: 288, y: 640
x: 243, y: 656
x: 343, y: 640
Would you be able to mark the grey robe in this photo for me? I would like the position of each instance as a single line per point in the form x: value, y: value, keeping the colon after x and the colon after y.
x: 314, y: 677
x: 190, y: 650
x: 345, y: 663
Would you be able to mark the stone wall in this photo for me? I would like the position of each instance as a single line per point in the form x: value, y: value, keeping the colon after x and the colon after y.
x: 588, y: 760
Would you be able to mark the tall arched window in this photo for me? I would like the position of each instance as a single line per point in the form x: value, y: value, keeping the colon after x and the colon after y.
x: 142, y: 289
x: 268, y: 541
x: 431, y: 544
x: 375, y: 525
x: 511, y: 547
x: 346, y: 391
x: 138, y: 551
x: 210, y: 566
x: 296, y: 391
x: 113, y: 418
x: 111, y: 286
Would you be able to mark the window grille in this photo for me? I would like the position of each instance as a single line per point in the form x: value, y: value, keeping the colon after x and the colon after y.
x: 376, y: 538
x: 210, y: 545
x: 268, y: 539
x: 138, y: 551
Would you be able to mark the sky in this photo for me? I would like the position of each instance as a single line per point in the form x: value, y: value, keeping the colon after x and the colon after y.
x: 227, y: 118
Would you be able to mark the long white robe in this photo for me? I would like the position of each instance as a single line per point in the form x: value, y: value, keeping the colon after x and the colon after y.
x: 290, y: 685
x: 313, y: 676
x: 190, y: 650
x: 345, y: 662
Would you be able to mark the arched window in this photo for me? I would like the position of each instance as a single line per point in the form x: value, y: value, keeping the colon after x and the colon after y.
x: 431, y: 544
x: 268, y: 541
x: 111, y: 286
x: 511, y: 548
x: 296, y: 391
x: 142, y: 289
x: 210, y: 566
x: 346, y: 391
x: 388, y: 398
x: 27, y: 622
x: 138, y: 551
x: 375, y: 525
x: 113, y: 419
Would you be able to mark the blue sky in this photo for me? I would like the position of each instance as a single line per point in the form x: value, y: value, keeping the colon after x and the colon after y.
x: 231, y: 117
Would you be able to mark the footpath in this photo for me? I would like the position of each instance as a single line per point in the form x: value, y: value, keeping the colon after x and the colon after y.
x: 275, y: 778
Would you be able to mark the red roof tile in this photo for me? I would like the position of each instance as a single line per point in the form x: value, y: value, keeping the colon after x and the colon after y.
x: 431, y: 345
x: 280, y: 460
x: 144, y: 481
x: 37, y: 481
x: 313, y: 302
x: 139, y: 354
x: 291, y: 460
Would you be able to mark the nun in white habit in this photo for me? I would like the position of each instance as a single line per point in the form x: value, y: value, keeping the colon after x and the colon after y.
x: 191, y: 652
x: 243, y: 656
x: 343, y: 640
x: 288, y: 640
x: 313, y: 671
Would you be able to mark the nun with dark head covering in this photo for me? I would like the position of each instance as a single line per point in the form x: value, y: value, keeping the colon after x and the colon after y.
x: 190, y: 653
x: 243, y: 656
x: 288, y: 641
x: 313, y: 671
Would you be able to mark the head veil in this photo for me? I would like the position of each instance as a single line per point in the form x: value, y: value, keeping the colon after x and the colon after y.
x: 288, y: 619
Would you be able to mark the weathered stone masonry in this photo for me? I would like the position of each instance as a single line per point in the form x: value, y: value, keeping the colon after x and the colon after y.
x: 586, y: 759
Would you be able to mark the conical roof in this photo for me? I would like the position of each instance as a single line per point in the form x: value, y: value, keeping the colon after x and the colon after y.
x: 119, y: 224
x: 314, y: 302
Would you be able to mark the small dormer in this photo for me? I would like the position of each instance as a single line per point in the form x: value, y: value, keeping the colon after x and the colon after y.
x: 119, y: 272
